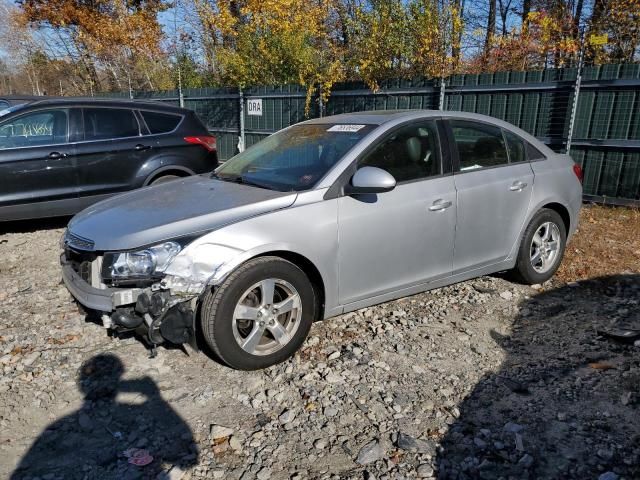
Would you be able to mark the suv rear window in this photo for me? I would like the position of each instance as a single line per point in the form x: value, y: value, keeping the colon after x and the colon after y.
x: 106, y: 123
x: 161, y: 122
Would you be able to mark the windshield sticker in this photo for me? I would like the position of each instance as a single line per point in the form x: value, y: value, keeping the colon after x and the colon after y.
x: 345, y: 128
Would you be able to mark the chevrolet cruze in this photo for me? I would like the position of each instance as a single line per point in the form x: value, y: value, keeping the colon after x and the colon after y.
x: 322, y: 218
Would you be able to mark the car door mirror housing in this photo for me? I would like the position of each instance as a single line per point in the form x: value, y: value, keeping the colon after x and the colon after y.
x: 370, y: 180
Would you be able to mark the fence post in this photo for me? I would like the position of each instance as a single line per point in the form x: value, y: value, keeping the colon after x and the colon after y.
x: 442, y: 91
x: 576, y: 93
x: 241, y: 137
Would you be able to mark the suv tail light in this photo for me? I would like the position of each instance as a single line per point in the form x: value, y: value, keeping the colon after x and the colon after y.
x: 206, y: 141
x: 577, y: 169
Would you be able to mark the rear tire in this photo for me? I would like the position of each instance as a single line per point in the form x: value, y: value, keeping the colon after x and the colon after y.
x: 164, y: 179
x: 260, y: 315
x: 542, y: 248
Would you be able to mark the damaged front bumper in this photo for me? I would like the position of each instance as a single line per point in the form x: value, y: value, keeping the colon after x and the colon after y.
x: 151, y: 311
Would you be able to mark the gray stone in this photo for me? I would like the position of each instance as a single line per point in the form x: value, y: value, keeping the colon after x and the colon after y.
x: 370, y: 453
x: 411, y: 444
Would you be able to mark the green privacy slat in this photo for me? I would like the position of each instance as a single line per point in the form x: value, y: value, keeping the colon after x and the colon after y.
x: 611, y: 173
x: 629, y: 187
x: 622, y: 114
x: 609, y: 72
x: 634, y: 124
x: 499, y: 106
x: 601, y: 115
x: 469, y: 103
x: 630, y: 71
x: 514, y: 109
x: 590, y: 73
x: 454, y: 103
x: 543, y: 123
x: 530, y: 112
x: 483, y: 104
x: 592, y: 169
x: 584, y: 111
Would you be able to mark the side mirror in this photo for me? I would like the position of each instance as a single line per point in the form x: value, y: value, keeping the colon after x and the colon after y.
x: 371, y: 180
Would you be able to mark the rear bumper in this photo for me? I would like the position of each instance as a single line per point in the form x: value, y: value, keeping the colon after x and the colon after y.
x: 85, y: 294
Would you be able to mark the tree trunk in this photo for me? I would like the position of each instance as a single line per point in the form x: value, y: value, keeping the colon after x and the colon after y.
x: 491, y: 28
x: 526, y: 9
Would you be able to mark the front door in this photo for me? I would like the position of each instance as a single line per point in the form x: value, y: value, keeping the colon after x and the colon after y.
x: 400, y: 238
x: 37, y: 165
x: 493, y: 195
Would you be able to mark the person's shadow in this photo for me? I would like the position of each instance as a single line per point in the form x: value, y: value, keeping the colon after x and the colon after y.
x: 564, y: 403
x: 105, y: 438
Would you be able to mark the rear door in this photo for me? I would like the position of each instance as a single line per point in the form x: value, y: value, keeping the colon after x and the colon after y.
x: 111, y: 151
x: 493, y: 194
x: 37, y: 164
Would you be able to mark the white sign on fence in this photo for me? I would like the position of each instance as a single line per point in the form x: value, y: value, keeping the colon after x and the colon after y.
x: 254, y: 106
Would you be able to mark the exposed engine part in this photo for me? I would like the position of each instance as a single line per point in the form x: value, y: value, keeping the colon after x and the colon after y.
x: 177, y: 324
x: 106, y: 321
x: 126, y: 319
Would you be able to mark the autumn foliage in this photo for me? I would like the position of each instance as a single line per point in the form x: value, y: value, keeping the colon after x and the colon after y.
x: 88, y: 46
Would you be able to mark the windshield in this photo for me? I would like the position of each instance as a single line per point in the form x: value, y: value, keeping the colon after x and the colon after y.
x: 294, y: 159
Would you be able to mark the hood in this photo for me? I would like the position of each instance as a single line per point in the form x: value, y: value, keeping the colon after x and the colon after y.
x: 171, y: 210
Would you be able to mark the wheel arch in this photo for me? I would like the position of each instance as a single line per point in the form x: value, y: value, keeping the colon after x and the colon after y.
x: 309, y: 269
x: 562, y: 211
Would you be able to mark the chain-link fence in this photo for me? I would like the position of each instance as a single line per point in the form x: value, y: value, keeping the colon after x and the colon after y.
x: 605, y: 139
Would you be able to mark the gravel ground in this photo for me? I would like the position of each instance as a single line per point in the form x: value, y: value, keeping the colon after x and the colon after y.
x: 484, y: 379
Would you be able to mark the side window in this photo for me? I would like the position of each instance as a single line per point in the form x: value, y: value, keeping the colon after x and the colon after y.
x: 107, y: 123
x: 160, y: 122
x: 479, y: 145
x: 48, y: 127
x: 516, y: 146
x: 410, y: 153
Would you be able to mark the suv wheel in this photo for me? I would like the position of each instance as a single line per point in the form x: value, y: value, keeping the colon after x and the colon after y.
x: 260, y: 315
x: 542, y: 247
x: 164, y: 179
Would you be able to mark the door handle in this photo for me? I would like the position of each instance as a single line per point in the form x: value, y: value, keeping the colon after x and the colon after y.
x: 140, y: 147
x: 439, y: 205
x: 57, y: 155
x: 517, y: 186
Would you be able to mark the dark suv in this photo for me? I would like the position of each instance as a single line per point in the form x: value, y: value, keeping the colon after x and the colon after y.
x: 58, y: 156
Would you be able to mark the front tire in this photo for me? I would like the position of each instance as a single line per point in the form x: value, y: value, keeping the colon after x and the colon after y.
x: 260, y: 315
x: 542, y: 248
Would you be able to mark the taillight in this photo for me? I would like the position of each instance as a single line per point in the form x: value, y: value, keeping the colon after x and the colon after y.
x: 577, y: 169
x: 206, y: 141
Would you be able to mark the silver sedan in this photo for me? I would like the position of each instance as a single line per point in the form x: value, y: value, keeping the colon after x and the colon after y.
x: 322, y: 218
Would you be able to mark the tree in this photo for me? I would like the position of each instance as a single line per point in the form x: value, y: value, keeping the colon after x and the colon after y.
x: 121, y: 36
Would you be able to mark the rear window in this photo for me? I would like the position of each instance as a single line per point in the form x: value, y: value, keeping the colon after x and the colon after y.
x: 533, y: 153
x: 516, y: 147
x: 106, y: 123
x: 161, y: 122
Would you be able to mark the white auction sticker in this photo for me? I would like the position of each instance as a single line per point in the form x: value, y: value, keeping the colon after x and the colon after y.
x: 345, y: 128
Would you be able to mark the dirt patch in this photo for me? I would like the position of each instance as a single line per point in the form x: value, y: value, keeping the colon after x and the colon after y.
x: 607, y: 242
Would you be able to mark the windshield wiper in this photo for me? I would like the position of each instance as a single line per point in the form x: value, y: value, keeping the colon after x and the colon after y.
x: 242, y: 180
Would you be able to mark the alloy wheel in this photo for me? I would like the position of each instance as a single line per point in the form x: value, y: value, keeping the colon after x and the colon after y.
x: 267, y: 316
x: 545, y: 246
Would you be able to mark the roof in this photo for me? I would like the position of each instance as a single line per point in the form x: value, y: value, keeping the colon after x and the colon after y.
x: 372, y: 117
x: 106, y: 102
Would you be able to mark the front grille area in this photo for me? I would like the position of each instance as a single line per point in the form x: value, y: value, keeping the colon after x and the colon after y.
x: 80, y: 261
x: 77, y: 242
